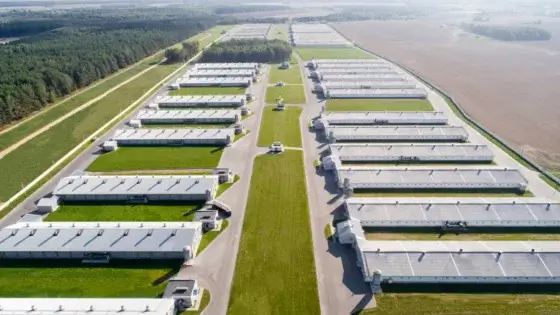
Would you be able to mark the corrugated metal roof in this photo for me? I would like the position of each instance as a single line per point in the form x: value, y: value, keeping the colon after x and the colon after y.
x: 215, y: 80
x: 135, y: 185
x: 226, y: 72
x: 217, y: 66
x: 99, y: 237
x: 173, y: 134
x: 83, y: 306
x: 358, y: 152
x: 378, y: 92
x: 147, y: 114
x: 356, y: 131
x: 201, y: 99
x: 334, y: 117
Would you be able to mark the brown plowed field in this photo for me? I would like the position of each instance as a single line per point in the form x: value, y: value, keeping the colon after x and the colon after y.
x: 513, y: 89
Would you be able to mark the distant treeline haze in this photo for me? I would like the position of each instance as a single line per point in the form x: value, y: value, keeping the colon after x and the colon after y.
x: 508, y: 33
x: 253, y: 50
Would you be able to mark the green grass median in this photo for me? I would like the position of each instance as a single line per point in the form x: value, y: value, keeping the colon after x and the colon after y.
x: 333, y: 53
x: 381, y: 105
x: 280, y: 126
x: 275, y: 269
x: 292, y: 94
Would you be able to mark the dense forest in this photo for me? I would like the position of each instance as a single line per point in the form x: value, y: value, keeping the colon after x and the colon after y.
x: 508, y: 33
x: 252, y: 50
x: 185, y: 52
x: 248, y: 8
x: 366, y: 13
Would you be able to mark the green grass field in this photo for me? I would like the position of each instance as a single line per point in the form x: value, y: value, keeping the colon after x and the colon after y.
x: 292, y: 94
x: 21, y: 166
x: 62, y: 278
x: 275, y: 269
x: 280, y: 126
x: 157, y: 158
x: 394, y: 105
x: 214, y: 33
x: 465, y: 304
x: 209, y: 91
x: 333, y: 53
x: 123, y: 212
x: 288, y: 76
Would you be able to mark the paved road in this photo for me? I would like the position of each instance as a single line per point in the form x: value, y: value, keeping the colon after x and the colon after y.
x: 341, y: 286
x: 215, y: 266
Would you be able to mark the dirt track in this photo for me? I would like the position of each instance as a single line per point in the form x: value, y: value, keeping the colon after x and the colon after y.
x: 510, y: 88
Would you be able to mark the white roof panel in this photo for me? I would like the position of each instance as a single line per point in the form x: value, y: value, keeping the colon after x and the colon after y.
x: 147, y: 115
x: 361, y: 152
x: 367, y: 118
x: 174, y: 134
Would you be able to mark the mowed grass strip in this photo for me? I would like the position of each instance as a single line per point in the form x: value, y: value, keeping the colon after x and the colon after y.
x: 280, y: 126
x: 275, y: 269
x: 157, y: 158
x: 123, y: 212
x: 21, y: 166
x: 72, y: 279
x: 209, y: 91
x: 50, y: 114
x: 292, y: 94
x: 381, y: 105
x: 291, y: 75
x: 333, y: 53
x: 464, y: 304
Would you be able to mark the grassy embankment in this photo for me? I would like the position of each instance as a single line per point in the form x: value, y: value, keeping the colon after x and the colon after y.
x: 280, y: 126
x: 275, y: 269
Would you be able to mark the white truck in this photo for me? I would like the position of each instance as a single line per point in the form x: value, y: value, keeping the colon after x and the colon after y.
x: 276, y: 147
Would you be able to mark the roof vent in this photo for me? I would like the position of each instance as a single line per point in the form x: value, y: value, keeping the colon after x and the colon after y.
x: 139, y: 180
x: 55, y: 233
x: 26, y: 224
x: 91, y: 308
x: 60, y: 308
x: 32, y: 232
x: 122, y: 308
x: 122, y: 181
x: 125, y: 233
x: 150, y: 232
x: 79, y: 232
x: 147, y: 308
x: 14, y: 232
x: 100, y: 232
x: 104, y: 181
x: 71, y: 181
x: 159, y: 181
x: 85, y: 181
x: 174, y: 232
x: 33, y: 308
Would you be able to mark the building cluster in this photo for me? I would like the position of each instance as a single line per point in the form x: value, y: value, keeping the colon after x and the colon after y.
x: 312, y: 35
x: 407, y: 139
x: 362, y: 79
x: 220, y: 75
x: 248, y: 31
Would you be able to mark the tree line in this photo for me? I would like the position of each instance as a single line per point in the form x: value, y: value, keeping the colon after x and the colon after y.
x: 508, y: 33
x: 366, y: 13
x: 185, y: 52
x: 251, y: 50
x: 39, y: 69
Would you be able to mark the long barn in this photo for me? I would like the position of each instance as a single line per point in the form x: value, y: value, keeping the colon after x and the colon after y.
x: 381, y: 118
x: 173, y: 137
x: 200, y: 101
x: 395, y: 133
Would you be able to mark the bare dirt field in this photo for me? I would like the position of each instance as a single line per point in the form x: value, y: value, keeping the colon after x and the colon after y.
x: 511, y: 88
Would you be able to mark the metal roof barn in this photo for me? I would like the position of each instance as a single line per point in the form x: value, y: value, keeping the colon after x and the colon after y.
x: 226, y: 66
x: 351, y: 66
x: 319, y: 74
x: 137, y: 188
x: 248, y: 73
x: 201, y: 100
x: 367, y: 152
x: 311, y: 28
x: 188, y: 116
x: 79, y: 240
x: 361, y: 77
x: 437, y: 212
x: 328, y: 85
x: 173, y: 137
x: 384, y: 118
x: 229, y: 81
x: 87, y: 306
x: 396, y: 133
x: 441, y: 178
x: 348, y: 61
x: 460, y: 261
x: 376, y: 93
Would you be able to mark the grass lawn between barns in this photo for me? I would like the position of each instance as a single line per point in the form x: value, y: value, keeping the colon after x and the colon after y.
x: 292, y: 94
x: 275, y: 269
x: 209, y: 236
x: 390, y: 105
x: 464, y: 304
x: 333, y: 53
x: 78, y: 212
x: 209, y: 91
x: 158, y: 158
x: 72, y: 279
x: 288, y: 76
x: 280, y: 126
